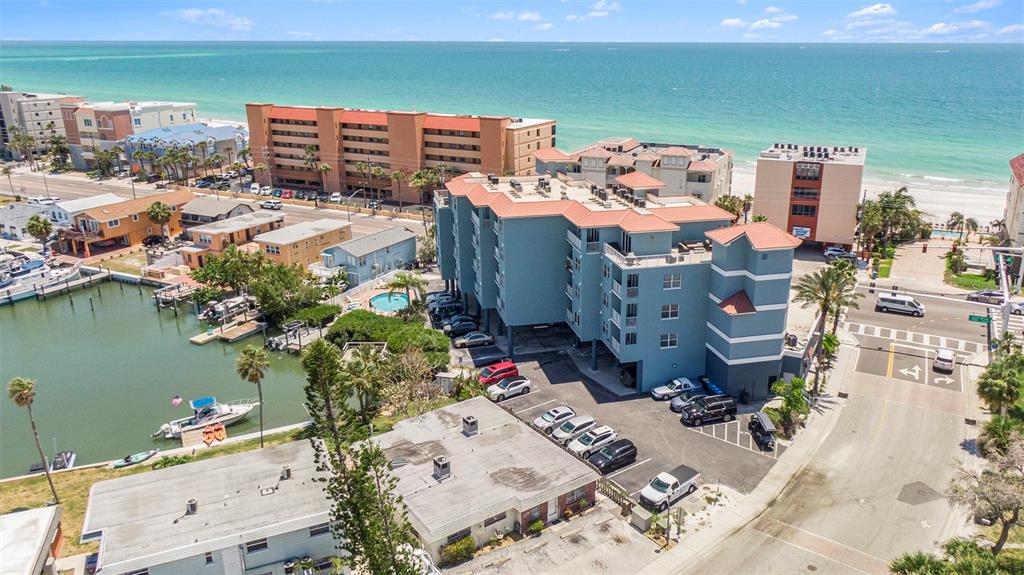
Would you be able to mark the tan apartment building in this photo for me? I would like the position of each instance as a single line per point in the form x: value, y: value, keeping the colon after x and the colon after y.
x: 39, y: 115
x: 301, y: 244
x: 1013, y: 214
x: 811, y: 192
x: 121, y: 224
x: 393, y: 141
x: 101, y: 125
x: 215, y: 237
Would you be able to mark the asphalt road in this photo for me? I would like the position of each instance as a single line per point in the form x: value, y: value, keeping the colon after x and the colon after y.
x: 947, y: 317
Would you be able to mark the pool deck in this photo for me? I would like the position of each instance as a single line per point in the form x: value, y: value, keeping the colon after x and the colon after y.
x: 364, y: 296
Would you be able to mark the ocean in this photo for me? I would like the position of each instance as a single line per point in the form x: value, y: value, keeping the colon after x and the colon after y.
x: 930, y: 115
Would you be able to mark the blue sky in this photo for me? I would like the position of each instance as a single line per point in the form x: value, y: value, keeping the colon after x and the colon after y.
x: 529, y: 21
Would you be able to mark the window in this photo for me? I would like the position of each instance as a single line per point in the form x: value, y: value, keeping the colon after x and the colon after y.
x: 803, y: 210
x: 257, y: 545
x: 605, y: 272
x: 808, y: 171
x: 575, y: 495
x: 670, y: 311
x: 113, y: 223
x: 149, y: 231
x: 459, y: 535
x: 137, y: 121
x: 669, y: 340
x: 604, y: 300
x: 275, y: 250
x: 139, y: 572
x: 631, y: 338
x: 135, y: 217
x: 805, y: 193
x: 672, y: 281
x: 87, y: 122
x: 492, y: 520
x: 534, y: 514
x: 321, y: 529
x: 209, y: 558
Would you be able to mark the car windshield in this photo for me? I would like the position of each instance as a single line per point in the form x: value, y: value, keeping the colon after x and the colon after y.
x: 607, y: 453
x: 567, y: 427
x: 659, y: 485
x: 699, y: 404
x: 588, y: 439
x: 549, y: 416
x: 506, y: 383
x: 487, y: 372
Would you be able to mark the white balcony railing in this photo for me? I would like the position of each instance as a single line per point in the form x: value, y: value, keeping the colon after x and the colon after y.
x: 671, y: 259
x: 569, y: 318
x: 616, y: 288
x: 615, y: 344
x: 593, y: 247
x: 573, y: 239
x: 631, y: 321
x: 616, y: 318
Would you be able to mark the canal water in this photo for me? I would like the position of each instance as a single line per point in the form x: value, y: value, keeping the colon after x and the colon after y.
x: 106, y: 375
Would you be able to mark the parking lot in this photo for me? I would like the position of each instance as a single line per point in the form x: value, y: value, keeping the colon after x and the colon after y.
x: 722, y: 452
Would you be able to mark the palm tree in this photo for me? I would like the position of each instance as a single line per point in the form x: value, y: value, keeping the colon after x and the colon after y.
x: 397, y: 177
x: 407, y: 281
x: 117, y: 151
x: 918, y: 563
x: 25, y: 144
x: 261, y: 168
x: 759, y: 218
x: 379, y: 173
x: 23, y: 392
x: 1000, y: 385
x: 363, y: 371
x: 818, y: 289
x: 7, y: 171
x: 39, y: 227
x: 321, y: 171
x: 160, y: 213
x: 970, y: 225
x: 731, y: 204
x: 252, y: 366
x: 748, y: 204
x: 423, y: 179
x: 245, y: 155
x: 362, y: 167
x: 59, y: 152
x: 237, y: 168
x: 957, y: 221
x: 218, y: 161
x: 846, y: 290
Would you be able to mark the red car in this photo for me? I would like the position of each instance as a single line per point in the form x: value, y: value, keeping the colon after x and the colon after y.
x: 288, y: 194
x: 494, y: 373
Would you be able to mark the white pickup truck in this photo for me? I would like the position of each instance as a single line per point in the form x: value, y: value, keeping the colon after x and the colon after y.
x: 666, y: 488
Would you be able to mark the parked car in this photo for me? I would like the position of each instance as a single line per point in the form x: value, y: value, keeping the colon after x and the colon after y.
x: 709, y: 409
x: 150, y: 241
x: 460, y: 328
x: 276, y: 192
x: 666, y: 488
x: 286, y: 194
x: 553, y: 417
x: 683, y: 399
x: 674, y: 388
x: 336, y: 198
x: 592, y: 441
x: 945, y: 360
x: 222, y: 186
x: 573, y: 428
x: 615, y: 455
x: 271, y: 204
x: 833, y: 250
x: 203, y: 184
x: 435, y: 295
x: 496, y: 372
x: 986, y: 296
x: 1017, y: 308
x: 254, y: 188
x: 899, y: 303
x: 473, y: 339
x: 266, y: 190
x: 762, y: 430
x: 841, y: 255
x: 232, y: 174
x: 299, y: 195
x: 457, y: 318
x: 509, y: 386
x: 439, y: 311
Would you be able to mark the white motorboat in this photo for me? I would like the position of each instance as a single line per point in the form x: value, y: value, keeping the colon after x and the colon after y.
x: 207, y: 411
x: 215, y: 310
x: 24, y: 273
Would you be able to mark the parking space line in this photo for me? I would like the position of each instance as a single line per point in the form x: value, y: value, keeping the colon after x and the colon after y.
x: 627, y: 468
x: 524, y: 410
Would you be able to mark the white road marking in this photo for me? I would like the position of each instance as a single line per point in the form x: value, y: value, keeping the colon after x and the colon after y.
x: 535, y: 406
x: 628, y: 467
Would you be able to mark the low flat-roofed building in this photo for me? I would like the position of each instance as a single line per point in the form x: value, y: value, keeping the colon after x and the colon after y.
x: 215, y: 237
x: 369, y: 256
x: 121, y: 224
x: 205, y: 210
x: 30, y: 541
x: 63, y: 213
x: 247, y: 517
x: 14, y: 219
x: 498, y: 474
x: 302, y: 243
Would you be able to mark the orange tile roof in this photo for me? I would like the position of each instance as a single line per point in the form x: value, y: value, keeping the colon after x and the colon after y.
x: 595, y: 152
x: 139, y: 205
x: 761, y: 235
x: 676, y: 151
x: 364, y: 117
x: 466, y: 124
x: 639, y: 181
x: 648, y: 157
x: 1017, y: 169
x: 681, y: 214
x: 551, y: 155
x: 736, y: 304
x: 621, y: 160
x: 292, y: 113
x: 702, y: 166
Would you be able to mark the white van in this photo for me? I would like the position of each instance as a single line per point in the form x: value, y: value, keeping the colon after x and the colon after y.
x: 900, y: 304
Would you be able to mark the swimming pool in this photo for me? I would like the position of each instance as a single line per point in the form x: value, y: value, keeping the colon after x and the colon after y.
x: 389, y: 302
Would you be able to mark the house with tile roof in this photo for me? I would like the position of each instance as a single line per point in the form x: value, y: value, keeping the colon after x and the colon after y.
x: 1013, y: 214
x: 662, y: 286
x: 203, y: 140
x: 121, y: 224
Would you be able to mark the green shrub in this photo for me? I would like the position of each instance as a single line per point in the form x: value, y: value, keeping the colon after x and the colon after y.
x: 461, y: 550
x: 363, y: 325
x: 317, y: 315
x: 535, y: 527
x: 171, y: 461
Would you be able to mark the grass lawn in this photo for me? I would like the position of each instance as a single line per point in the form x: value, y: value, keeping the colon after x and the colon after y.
x: 884, y: 267
x: 971, y: 281
x: 127, y: 263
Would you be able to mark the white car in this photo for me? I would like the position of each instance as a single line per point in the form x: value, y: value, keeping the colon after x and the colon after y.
x: 266, y: 190
x: 1017, y: 308
x: 665, y: 488
x: 271, y: 204
x: 945, y: 359
x: 254, y: 189
x: 513, y: 385
x: 553, y: 417
x: 336, y: 198
x: 592, y: 441
x: 573, y: 428
x: 674, y: 388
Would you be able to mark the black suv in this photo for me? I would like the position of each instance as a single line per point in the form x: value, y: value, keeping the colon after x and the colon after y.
x: 708, y: 409
x: 616, y: 454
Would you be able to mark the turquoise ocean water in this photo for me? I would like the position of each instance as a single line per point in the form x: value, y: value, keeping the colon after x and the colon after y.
x: 949, y: 112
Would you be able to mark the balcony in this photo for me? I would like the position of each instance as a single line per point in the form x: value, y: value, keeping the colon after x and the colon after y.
x: 614, y: 344
x: 440, y: 199
x: 498, y: 255
x: 75, y: 234
x: 568, y: 264
x: 631, y: 321
x: 499, y: 280
x: 593, y: 247
x: 569, y: 318
x: 687, y: 256
x: 476, y: 220
x: 574, y: 240
x: 616, y: 288
x: 616, y: 318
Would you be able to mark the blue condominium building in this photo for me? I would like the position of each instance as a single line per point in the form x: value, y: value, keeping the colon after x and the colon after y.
x: 666, y: 283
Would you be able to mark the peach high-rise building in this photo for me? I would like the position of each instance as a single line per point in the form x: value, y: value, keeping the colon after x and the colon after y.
x: 811, y: 192
x: 392, y: 141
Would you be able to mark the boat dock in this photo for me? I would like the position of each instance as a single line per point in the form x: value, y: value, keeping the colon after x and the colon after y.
x: 303, y: 340
x: 172, y: 295
x: 229, y: 332
x: 193, y: 439
x: 39, y: 291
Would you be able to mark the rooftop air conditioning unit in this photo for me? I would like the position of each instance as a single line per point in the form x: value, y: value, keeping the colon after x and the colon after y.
x: 469, y: 426
x: 442, y: 468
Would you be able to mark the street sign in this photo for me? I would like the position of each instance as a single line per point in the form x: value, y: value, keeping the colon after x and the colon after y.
x: 980, y: 318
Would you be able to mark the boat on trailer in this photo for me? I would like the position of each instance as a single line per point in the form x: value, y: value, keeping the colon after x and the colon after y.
x: 207, y: 411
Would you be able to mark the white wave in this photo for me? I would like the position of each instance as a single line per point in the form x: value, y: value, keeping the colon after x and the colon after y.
x: 941, y: 179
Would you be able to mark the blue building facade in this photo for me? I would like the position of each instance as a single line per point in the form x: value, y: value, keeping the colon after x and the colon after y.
x: 670, y: 289
x: 370, y: 256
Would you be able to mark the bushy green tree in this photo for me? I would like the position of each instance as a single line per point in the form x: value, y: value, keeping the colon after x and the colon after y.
x: 793, y: 401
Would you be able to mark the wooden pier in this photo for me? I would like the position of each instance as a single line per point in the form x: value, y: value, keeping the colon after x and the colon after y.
x: 239, y: 327
x: 302, y: 341
x: 10, y: 296
x: 173, y: 295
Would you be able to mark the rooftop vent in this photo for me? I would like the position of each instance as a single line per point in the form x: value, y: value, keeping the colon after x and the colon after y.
x: 191, y: 507
x: 469, y: 426
x: 286, y: 472
x: 442, y: 468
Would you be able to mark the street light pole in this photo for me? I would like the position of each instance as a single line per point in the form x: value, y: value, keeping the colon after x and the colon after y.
x: 348, y: 207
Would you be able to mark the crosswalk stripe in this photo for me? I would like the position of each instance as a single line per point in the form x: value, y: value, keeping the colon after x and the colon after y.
x: 961, y: 345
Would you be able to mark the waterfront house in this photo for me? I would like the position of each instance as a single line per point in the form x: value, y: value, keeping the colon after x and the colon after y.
x: 257, y: 512
x: 205, y: 210
x: 30, y: 541
x: 665, y: 285
x: 63, y: 213
x: 369, y: 256
x: 301, y: 244
x: 215, y: 237
x: 123, y: 224
x: 14, y: 219
x: 474, y: 470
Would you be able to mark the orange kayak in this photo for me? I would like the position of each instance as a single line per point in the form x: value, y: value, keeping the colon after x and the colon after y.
x: 208, y: 435
x: 219, y: 433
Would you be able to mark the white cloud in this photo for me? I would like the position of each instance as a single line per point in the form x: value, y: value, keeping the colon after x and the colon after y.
x: 496, y: 40
x: 544, y: 26
x: 297, y: 34
x: 733, y: 23
x: 829, y: 33
x: 212, y: 17
x: 785, y: 18
x: 945, y: 28
x: 766, y: 23
x: 741, y: 2
x: 751, y: 36
x: 977, y: 6
x: 572, y: 17
x: 1012, y: 28
x: 870, y: 22
x: 774, y: 10
x: 873, y: 10
x: 524, y: 16
x: 598, y: 9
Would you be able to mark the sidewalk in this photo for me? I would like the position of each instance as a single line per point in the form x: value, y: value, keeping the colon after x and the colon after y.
x: 820, y: 423
x: 923, y: 270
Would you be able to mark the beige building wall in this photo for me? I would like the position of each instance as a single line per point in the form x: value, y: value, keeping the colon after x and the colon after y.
x: 521, y: 143
x: 837, y: 208
x: 305, y: 251
x: 772, y: 188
